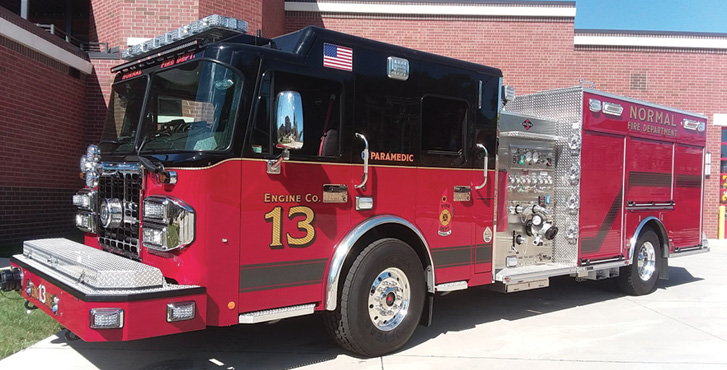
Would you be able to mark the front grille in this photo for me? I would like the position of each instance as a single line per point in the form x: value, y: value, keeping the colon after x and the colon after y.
x: 126, y: 187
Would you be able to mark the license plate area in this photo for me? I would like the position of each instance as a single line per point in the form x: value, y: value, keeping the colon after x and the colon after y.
x: 41, y: 294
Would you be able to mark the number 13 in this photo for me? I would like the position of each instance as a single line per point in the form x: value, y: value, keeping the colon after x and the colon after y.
x: 275, y: 216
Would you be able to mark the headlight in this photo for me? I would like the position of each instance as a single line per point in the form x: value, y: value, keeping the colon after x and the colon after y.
x: 168, y: 223
x: 86, y: 222
x: 85, y: 199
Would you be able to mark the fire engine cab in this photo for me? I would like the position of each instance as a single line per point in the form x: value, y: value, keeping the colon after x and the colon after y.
x: 242, y: 179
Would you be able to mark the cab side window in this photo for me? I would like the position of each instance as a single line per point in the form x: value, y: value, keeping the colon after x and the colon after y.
x: 321, y: 107
x: 443, y: 122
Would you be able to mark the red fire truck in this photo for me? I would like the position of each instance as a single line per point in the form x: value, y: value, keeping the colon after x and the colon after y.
x: 242, y: 180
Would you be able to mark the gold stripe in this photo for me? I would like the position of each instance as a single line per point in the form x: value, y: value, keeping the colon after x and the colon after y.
x: 325, y: 163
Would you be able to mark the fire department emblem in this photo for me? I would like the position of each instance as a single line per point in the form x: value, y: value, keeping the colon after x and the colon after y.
x: 487, y: 235
x: 445, y: 217
x: 527, y: 124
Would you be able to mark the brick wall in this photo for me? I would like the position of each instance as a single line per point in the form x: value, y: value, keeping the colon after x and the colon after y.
x: 539, y: 54
x: 98, y: 92
x: 43, y: 111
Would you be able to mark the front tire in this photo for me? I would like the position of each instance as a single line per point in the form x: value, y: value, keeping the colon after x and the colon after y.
x: 381, y: 300
x: 640, y: 277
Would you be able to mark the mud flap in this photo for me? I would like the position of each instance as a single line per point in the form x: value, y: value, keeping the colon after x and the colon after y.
x: 428, y: 311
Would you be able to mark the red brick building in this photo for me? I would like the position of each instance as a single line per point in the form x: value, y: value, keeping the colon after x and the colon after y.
x: 57, y: 102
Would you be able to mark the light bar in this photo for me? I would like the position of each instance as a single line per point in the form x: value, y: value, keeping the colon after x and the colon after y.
x: 204, y: 24
x: 107, y: 318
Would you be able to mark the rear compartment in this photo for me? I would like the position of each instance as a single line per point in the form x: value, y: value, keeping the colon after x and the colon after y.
x: 618, y: 165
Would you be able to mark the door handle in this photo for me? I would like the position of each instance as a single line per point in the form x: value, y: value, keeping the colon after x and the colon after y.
x: 365, y: 156
x: 486, y: 155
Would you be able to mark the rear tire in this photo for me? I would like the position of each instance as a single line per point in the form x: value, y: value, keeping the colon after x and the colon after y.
x: 640, y: 277
x: 381, y: 300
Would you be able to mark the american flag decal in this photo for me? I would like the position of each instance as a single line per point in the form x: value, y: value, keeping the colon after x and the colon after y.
x: 337, y: 57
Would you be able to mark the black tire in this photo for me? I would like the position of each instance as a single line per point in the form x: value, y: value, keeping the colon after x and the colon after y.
x: 631, y: 280
x: 351, y: 325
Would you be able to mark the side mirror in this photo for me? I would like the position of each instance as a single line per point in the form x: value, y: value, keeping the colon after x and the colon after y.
x: 289, y: 120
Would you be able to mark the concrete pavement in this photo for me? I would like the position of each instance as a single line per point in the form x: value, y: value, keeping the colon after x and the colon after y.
x: 590, y: 325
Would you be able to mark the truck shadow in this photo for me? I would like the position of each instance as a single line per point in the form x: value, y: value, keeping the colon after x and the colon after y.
x: 302, y: 341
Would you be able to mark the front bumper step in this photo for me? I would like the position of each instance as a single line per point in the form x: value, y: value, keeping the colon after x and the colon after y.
x: 67, y: 280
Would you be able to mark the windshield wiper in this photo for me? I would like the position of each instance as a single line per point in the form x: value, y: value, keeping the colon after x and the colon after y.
x: 147, y: 163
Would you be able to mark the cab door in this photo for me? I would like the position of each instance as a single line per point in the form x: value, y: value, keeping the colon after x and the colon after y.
x: 293, y: 208
x: 445, y: 206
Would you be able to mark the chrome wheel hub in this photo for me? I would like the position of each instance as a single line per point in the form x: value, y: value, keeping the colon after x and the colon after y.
x: 389, y: 298
x: 646, y: 261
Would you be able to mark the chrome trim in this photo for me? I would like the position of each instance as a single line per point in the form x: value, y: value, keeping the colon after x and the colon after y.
x: 365, y: 157
x: 169, y: 177
x: 486, y: 159
x: 650, y: 208
x: 364, y: 203
x: 641, y: 102
x: 646, y: 264
x: 389, y: 299
x: 633, y: 206
x: 452, y: 286
x: 111, y: 213
x: 479, y: 95
x: 123, y: 167
x: 276, y: 314
x: 690, y: 251
x: 344, y: 247
x: 632, y: 241
x: 529, y: 135
x: 176, y: 213
x: 511, y: 275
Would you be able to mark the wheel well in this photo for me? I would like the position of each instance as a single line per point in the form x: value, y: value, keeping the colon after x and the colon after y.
x: 660, y: 231
x: 389, y: 230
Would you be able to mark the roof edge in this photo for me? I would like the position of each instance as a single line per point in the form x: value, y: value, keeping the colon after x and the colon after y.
x: 610, y: 32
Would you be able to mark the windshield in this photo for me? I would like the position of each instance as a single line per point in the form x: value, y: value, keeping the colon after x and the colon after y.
x: 122, y: 117
x: 191, y: 107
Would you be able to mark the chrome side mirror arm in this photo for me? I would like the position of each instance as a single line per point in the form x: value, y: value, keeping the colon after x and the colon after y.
x: 365, y: 156
x: 274, y: 165
x: 486, y: 155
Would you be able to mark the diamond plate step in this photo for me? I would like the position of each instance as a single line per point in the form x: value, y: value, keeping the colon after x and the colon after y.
x: 92, y: 267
